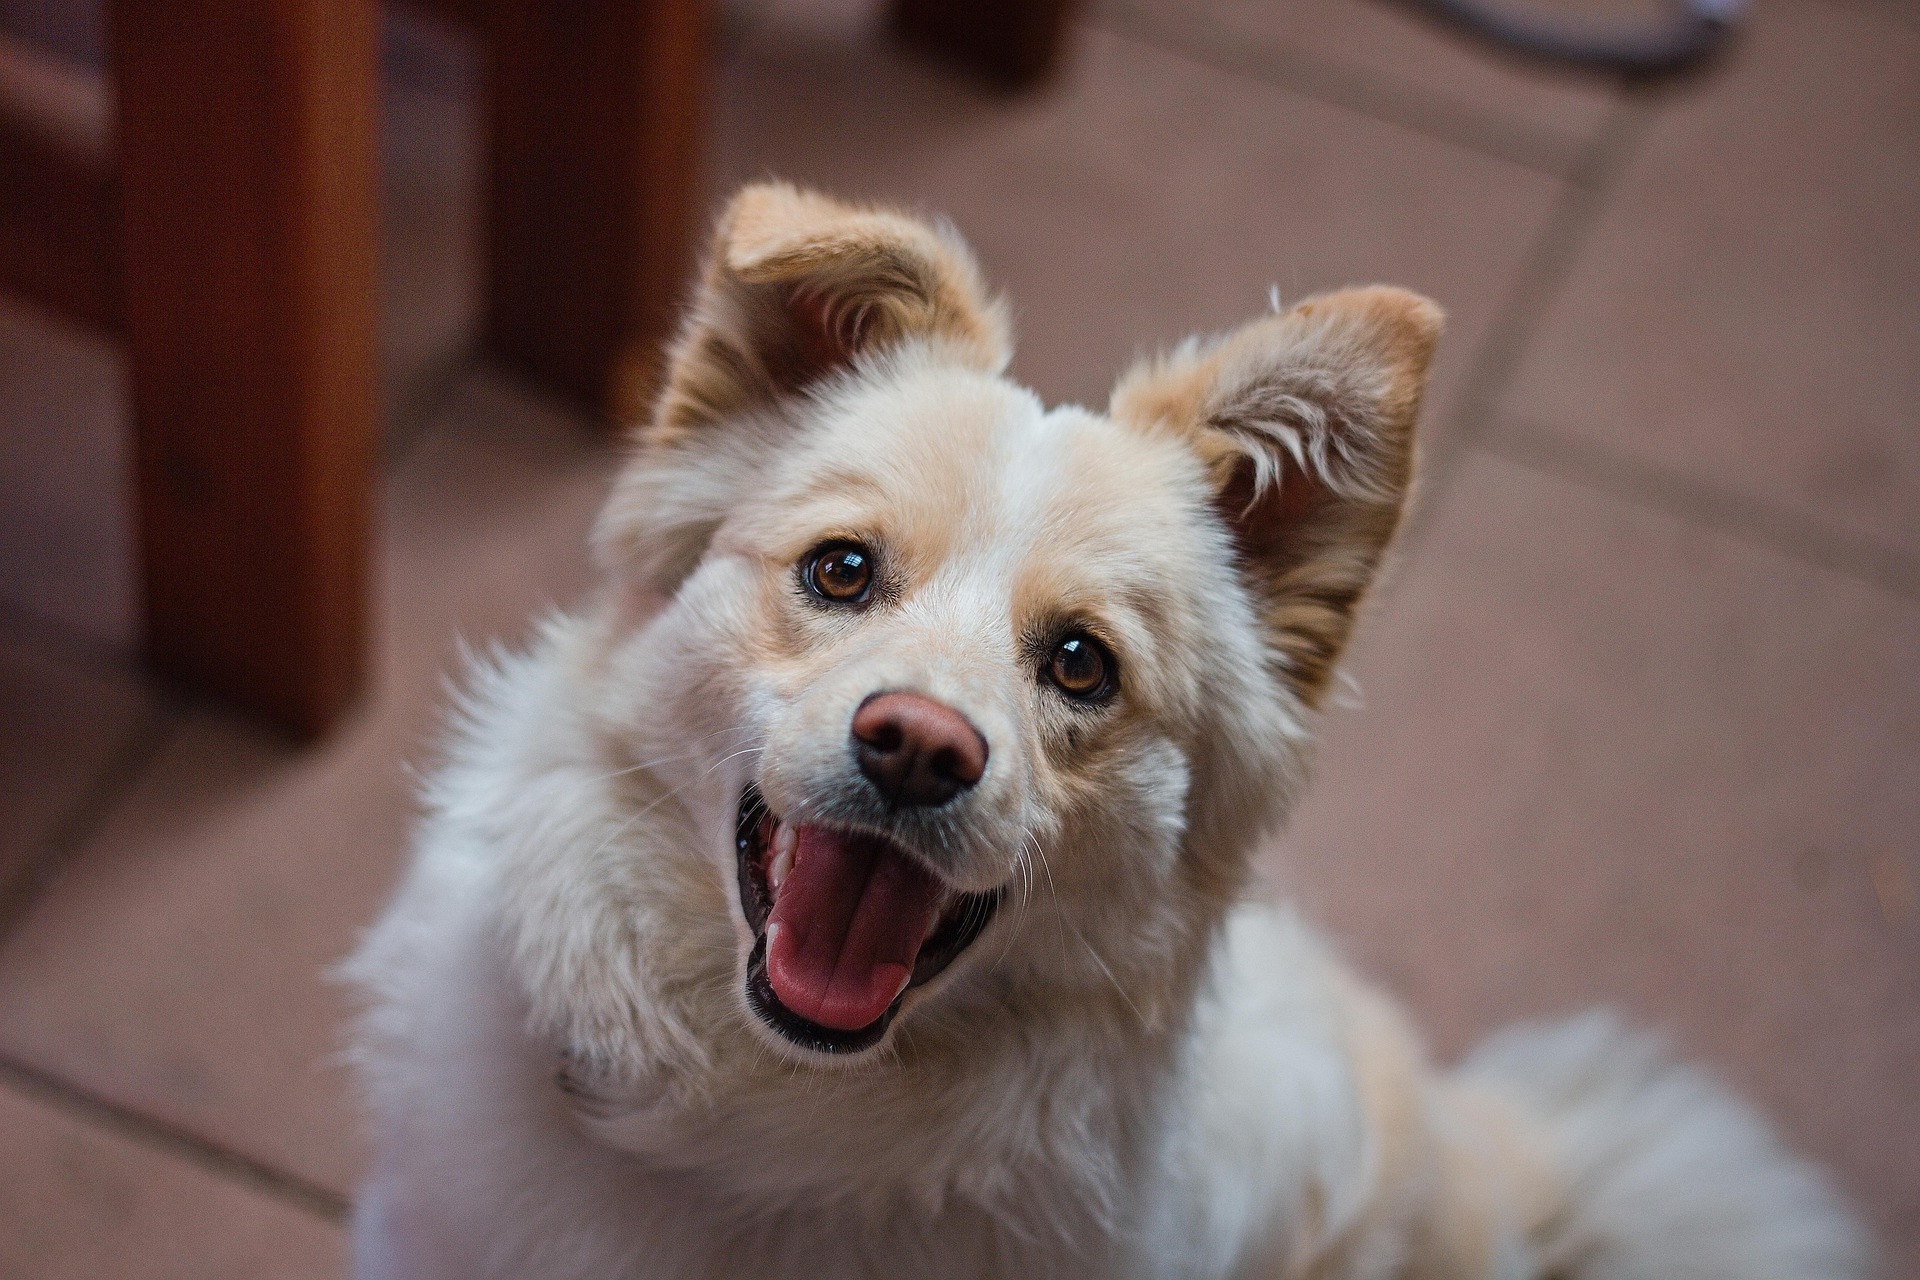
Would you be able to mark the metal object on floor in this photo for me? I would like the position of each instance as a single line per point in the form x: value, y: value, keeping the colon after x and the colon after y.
x: 1698, y: 30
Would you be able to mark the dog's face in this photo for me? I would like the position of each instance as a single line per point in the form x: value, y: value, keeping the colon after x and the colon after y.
x: 981, y: 702
x: 966, y: 639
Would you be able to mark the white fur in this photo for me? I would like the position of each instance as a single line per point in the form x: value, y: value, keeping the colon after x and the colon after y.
x: 1671, y: 1177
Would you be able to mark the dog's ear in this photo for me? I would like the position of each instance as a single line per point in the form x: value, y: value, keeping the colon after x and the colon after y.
x: 1305, y: 424
x: 796, y: 287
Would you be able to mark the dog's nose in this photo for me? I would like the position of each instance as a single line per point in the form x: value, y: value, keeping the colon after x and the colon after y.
x: 918, y: 752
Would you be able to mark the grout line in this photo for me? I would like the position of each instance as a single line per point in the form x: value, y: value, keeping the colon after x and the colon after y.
x: 1704, y: 504
x: 1475, y: 424
x: 422, y: 396
x: 1355, y: 90
x: 1545, y: 269
x: 166, y: 1139
x: 139, y: 749
x: 88, y: 814
x: 1589, y: 184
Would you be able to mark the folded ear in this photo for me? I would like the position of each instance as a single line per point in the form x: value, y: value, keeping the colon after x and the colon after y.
x: 797, y: 286
x: 1305, y: 424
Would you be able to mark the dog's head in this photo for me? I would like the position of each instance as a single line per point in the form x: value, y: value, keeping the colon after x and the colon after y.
x: 973, y: 703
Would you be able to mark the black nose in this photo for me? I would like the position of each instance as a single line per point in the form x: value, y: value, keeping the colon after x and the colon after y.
x: 917, y: 752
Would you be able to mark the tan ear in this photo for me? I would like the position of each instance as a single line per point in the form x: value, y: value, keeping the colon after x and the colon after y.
x: 798, y: 285
x: 1305, y: 423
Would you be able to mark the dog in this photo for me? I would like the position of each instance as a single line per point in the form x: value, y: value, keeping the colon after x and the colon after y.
x: 857, y: 884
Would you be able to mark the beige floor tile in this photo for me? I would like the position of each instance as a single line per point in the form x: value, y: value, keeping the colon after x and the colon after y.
x: 63, y: 722
x: 1608, y: 758
x: 1141, y: 198
x: 177, y: 967
x: 1743, y: 313
x: 81, y: 1203
x: 1385, y: 58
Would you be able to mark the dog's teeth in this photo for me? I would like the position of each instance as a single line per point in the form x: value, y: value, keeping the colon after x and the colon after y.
x: 786, y: 840
x: 932, y: 926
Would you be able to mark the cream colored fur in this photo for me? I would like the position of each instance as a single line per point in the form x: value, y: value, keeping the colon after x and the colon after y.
x: 1133, y: 1071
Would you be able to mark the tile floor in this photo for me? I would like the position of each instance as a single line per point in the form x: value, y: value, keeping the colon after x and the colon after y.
x: 1637, y: 720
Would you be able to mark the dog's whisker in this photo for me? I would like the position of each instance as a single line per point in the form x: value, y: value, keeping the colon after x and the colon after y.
x: 1053, y: 892
x: 641, y: 767
x: 622, y: 829
x: 1023, y: 867
x: 723, y: 761
x: 1119, y: 990
x: 690, y: 754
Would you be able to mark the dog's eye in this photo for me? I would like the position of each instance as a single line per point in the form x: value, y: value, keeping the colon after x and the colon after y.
x: 1081, y: 667
x: 840, y: 571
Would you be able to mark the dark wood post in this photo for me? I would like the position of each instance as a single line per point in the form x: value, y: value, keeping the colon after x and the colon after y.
x: 247, y: 159
x: 596, y: 114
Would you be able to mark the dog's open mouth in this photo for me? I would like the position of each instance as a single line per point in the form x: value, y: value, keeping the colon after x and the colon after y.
x: 845, y: 924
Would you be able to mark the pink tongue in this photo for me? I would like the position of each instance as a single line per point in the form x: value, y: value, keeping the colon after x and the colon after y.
x: 846, y: 928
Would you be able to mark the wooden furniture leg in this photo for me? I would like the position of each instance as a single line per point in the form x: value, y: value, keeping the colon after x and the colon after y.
x: 595, y: 115
x: 1014, y: 43
x: 247, y: 142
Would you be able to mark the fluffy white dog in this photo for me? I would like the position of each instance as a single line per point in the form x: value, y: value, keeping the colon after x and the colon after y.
x: 855, y: 886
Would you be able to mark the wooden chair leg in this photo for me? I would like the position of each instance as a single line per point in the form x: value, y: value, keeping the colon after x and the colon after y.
x: 247, y: 157
x: 1014, y: 43
x: 595, y: 117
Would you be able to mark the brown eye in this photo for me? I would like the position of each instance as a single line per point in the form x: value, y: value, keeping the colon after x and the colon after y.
x: 1081, y: 667
x: 841, y: 572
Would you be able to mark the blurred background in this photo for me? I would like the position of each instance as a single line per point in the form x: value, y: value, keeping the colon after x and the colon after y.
x: 1636, y: 720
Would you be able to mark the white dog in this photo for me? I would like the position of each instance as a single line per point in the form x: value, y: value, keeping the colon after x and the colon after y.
x: 855, y: 886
